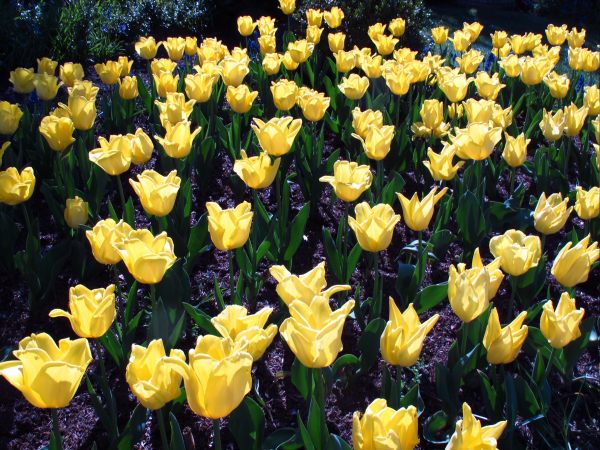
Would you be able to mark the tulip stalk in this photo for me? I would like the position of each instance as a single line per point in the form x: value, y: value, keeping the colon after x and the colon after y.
x: 513, y: 292
x: 377, y: 288
x: 217, y: 433
x: 56, y: 439
x: 234, y: 298
x: 379, y: 179
x: 162, y: 428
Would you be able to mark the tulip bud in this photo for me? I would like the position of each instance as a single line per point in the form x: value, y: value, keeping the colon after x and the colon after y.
x: 503, y: 344
x: 268, y: 44
x: 71, y: 72
x: 560, y: 326
x: 334, y: 17
x: 157, y: 193
x: 191, y: 45
x: 336, y: 41
x: 473, y: 30
x: 515, y: 150
x: 470, y: 61
x: 468, y: 291
x: 314, y: 17
x: 178, y: 139
x: 432, y: 116
x: 258, y: 172
x: 289, y: 63
x: 46, y: 86
x: 373, y: 227
x: 113, y: 156
x: 285, y: 94
x: 22, y: 80
x: 162, y: 65
x: 354, y: 86
x: 271, y: 63
x: 146, y: 47
x: 349, y: 180
x: 233, y: 72
x: 551, y: 213
x: 572, y: 265
x: 470, y: 434
x: 82, y: 112
x: 103, y: 237
x: 375, y: 31
x: 128, y: 88
x: 58, y: 132
x: 229, y: 228
x: 517, y: 252
x: 46, y: 66
x: 417, y: 213
x: 511, y: 66
x: 240, y: 98
x: 287, y: 6
x: 76, y: 214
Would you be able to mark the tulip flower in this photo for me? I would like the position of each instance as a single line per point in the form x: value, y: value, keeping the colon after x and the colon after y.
x: 376, y: 30
x: 146, y: 47
x: 235, y: 323
x: 517, y: 252
x: 572, y: 265
x: 560, y: 326
x: 556, y: 35
x: 92, y: 311
x: 285, y: 94
x: 85, y: 89
x: 503, y: 344
x: 493, y: 270
x: 58, y: 132
x: 515, y: 150
x: 591, y: 99
x: 71, y: 72
x: 488, y: 87
x: 113, y: 156
x: 344, y: 61
x: 314, y: 17
x: 46, y: 66
x: 277, y: 135
x: 104, y: 236
x: 162, y: 65
x: 477, y: 141
x: 76, y: 214
x: 258, y: 172
x: 217, y: 377
x: 334, y: 17
x: 469, y: 61
x: 46, y: 86
x: 300, y: 50
x: 165, y: 83
x: 151, y: 377
x: 142, y: 147
x: 418, y: 213
x: 109, y: 72
x: 574, y: 119
x: 229, y: 228
x: 354, y: 86
x: 47, y: 374
x: 271, y: 63
x: 469, y: 434
x: 440, y: 35
x: 397, y: 26
x: 432, y: 120
x: 553, y: 125
x: 313, y: 34
x: 587, y: 203
x: 349, y: 180
x: 455, y: 86
x: 268, y: 44
x: 469, y: 291
x: 551, y: 213
x: 303, y: 287
x: 175, y: 109
x: 240, y: 98
x: 81, y: 111
x: 16, y: 187
x: 373, y: 227
x: 233, y: 72
x: 398, y: 79
x: 382, y: 427
x: 336, y: 41
x: 22, y: 80
x: 314, y: 331
x: 534, y: 69
x: 199, y: 87
x: 178, y: 139
x: 377, y: 142
x: 499, y: 38
x: 126, y: 65
x: 511, y: 65
x: 146, y: 257
x: 557, y: 84
x: 385, y: 44
x: 175, y: 46
x: 191, y: 45
x: 440, y: 166
x: 10, y: 116
x: 479, y: 110
x: 157, y: 193
x: 128, y: 88
x: 363, y: 120
x: 245, y: 25
x: 473, y: 30
x: 576, y: 38
x: 460, y: 40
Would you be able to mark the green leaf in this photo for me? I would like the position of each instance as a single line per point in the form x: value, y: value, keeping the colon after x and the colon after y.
x: 177, y: 442
x: 302, y: 379
x: 369, y: 343
x: 134, y: 429
x: 431, y: 296
x: 283, y: 439
x: 200, y: 318
x: 334, y: 261
x: 306, y: 438
x: 337, y: 443
x: 396, y: 184
x: 470, y: 219
x: 436, y: 428
x: 352, y: 262
x: 246, y: 424
x: 297, y: 232
x: 345, y: 360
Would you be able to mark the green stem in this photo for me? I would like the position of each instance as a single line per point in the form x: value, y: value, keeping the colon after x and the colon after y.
x: 399, y: 384
x: 56, y: 436
x: 512, y: 181
x: 162, y: 428
x: 463, y: 338
x: 121, y: 193
x: 234, y: 299
x: 345, y: 242
x: 549, y: 365
x: 378, y: 287
x: 217, y: 433
x: 380, y: 180
x: 513, y: 292
x: 567, y: 156
x: 27, y: 219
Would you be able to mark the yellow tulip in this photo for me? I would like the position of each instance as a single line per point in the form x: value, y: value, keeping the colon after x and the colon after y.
x: 557, y: 84
x: 313, y: 34
x: 175, y: 46
x: 300, y: 50
x: 515, y: 150
x: 371, y: 66
x: 440, y: 35
x: 460, y: 40
x: 267, y: 44
x: 479, y: 110
x: 493, y: 270
x: 258, y: 172
x: 142, y: 147
x: 235, y: 323
x: 151, y: 377
x: 103, y: 237
x: 596, y: 148
x: 3, y: 149
x: 518, y: 43
x: 470, y: 61
x: 511, y: 65
x: 178, y: 139
x: 47, y: 374
x: 109, y: 72
x: 271, y: 63
x: 165, y: 83
x: 469, y: 434
x: 488, y: 87
x: 469, y: 291
x: 314, y: 331
x: 46, y: 86
x: 85, y: 89
x: 211, y: 50
x: 58, y: 132
x: 277, y: 135
x: 92, y: 311
x: 440, y: 165
x: 287, y: 6
x: 303, y: 287
x: 22, y: 80
x: 82, y: 112
x: 16, y: 187
x: 344, y: 61
x: 10, y: 116
x: 502, y: 52
x: 157, y: 193
x: 233, y: 72
x: 354, y: 86
x: 229, y: 228
x: 591, y: 99
x: 70, y: 72
x: 572, y: 265
x: 534, y: 69
x: 191, y: 45
x: 46, y: 66
x: 455, y: 86
x: 477, y: 141
x: 517, y: 252
x: 162, y: 65
x: 551, y: 213
x: 199, y: 87
x: 175, y: 109
x: 432, y: 120
x: 126, y: 65
x: 382, y: 427
x: 377, y: 141
x: 363, y: 120
x: 553, y: 125
x: 418, y: 213
x: 376, y: 30
x: 595, y: 125
x: 560, y: 326
x: 576, y: 38
x: 334, y: 17
x: 556, y: 35
x: 385, y: 44
x: 128, y: 88
x: 398, y: 79
x: 314, y: 17
x: 146, y: 47
x: 574, y: 119
x: 146, y: 257
x: 592, y: 61
x: 503, y: 344
x: 245, y: 25
x: 499, y: 38
x: 373, y: 227
x: 397, y: 26
x: 473, y: 30
x: 113, y: 156
x: 289, y: 63
x: 349, y: 180
x: 76, y: 214
x: 240, y: 98
x: 313, y: 104
x: 336, y: 41
x: 285, y: 94
x: 403, y: 336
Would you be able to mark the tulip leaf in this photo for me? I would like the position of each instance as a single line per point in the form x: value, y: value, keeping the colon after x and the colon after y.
x: 489, y: 394
x: 396, y: 184
x: 302, y: 378
x: 282, y: 439
x: 177, y: 442
x: 337, y: 443
x: 246, y: 424
x: 343, y: 361
x: 306, y: 438
x: 436, y: 429
x: 352, y: 261
x: 531, y: 283
x: 134, y: 429
x: 529, y: 406
x: 430, y: 297
x: 200, y: 318
x: 334, y: 261
x: 413, y: 397
x: 470, y: 219
x: 297, y: 232
x: 369, y: 343
x: 574, y: 350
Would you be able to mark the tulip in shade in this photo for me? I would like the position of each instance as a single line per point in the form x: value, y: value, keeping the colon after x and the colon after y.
x: 151, y: 377
x: 373, y: 227
x: 22, y: 80
x: 439, y: 34
x: 16, y: 187
x: 418, y: 213
x: 314, y: 331
x: 229, y: 228
x: 334, y: 17
x: 572, y: 265
x: 517, y: 252
x: 103, y: 237
x: 92, y: 312
x: 114, y: 155
x: 551, y: 213
x: 383, y: 428
x: 157, y: 193
x: 469, y: 434
x: 560, y: 326
x: 71, y: 72
x: 503, y: 344
x: 47, y: 374
x: 587, y: 203
x: 245, y: 25
x: 76, y: 212
x: 258, y: 172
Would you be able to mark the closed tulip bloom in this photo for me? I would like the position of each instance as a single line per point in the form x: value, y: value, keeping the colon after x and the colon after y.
x: 175, y: 109
x: 591, y: 99
x: 85, y: 89
x: 46, y: 66
x: 92, y: 311
x: 439, y: 34
x: 82, y: 112
x: 303, y: 287
x: 157, y: 193
x: 146, y: 47
x: 515, y: 150
x: 22, y: 80
x: 142, y: 147
x: 268, y: 44
x: 258, y: 172
x: 469, y: 434
x: 175, y: 46
x: 373, y: 227
x: 300, y: 50
x: 313, y: 105
x: 517, y: 252
x: 109, y: 72
x: 287, y: 6
x: 418, y: 213
x: 477, y: 141
x: 245, y: 25
x: 488, y: 87
x: 314, y: 331
x: 178, y: 139
x: 103, y: 237
x: 191, y: 45
x: 199, y: 87
x: 560, y: 326
x: 313, y: 34
x: 285, y: 94
x: 277, y: 135
x: 128, y: 88
x: 46, y: 86
x: 354, y: 86
x: 165, y: 83
x: 574, y: 119
x: 162, y: 65
x: 363, y: 120
x: 557, y: 84
x: 385, y: 44
x: 10, y: 116
x: 271, y: 63
x: 344, y: 61
x: 470, y: 61
x: 534, y: 69
x: 334, y: 17
x: 460, y: 40
x: 572, y: 265
x: 58, y: 132
x: 229, y: 228
x: 432, y: 120
x: 376, y: 30
x: 47, y: 374
x: 336, y: 41
x: 70, y: 72
x: 314, y: 17
x: 240, y: 98
x: 468, y: 291
x: 553, y: 125
x: 377, y: 141
x: 504, y: 344
x: 551, y: 213
x: 556, y: 35
x: 16, y: 187
x: 440, y: 165
x: 511, y: 65
x: 147, y: 257
x: 382, y: 427
x: 402, y: 339
x: 576, y: 38
x: 126, y: 65
x: 150, y: 376
x: 499, y: 38
x: 234, y: 322
x: 397, y: 26
x: 233, y: 72
x: 398, y: 79
x: 349, y: 180
x: 114, y: 155
x: 455, y: 86
x: 76, y: 213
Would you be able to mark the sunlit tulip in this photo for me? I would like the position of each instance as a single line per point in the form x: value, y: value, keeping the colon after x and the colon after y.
x: 493, y: 270
x: 591, y: 99
x: 245, y: 25
x: 191, y: 45
x: 517, y: 252
x: 499, y: 38
x: 460, y: 40
x: 240, y: 98
x: 92, y: 311
x: 336, y: 41
x: 16, y: 187
x: 373, y: 227
x: 553, y: 125
x: 560, y: 326
x: 233, y: 72
x: 313, y: 105
x: 76, y: 213
x: 114, y: 155
x: 397, y: 26
x: 277, y: 135
x: 488, y: 87
x: 440, y: 165
x: 439, y: 34
x: 363, y: 120
x: 108, y: 72
x: 371, y: 66
x: 268, y: 44
x: 142, y: 147
x: 199, y: 86
x: 515, y: 150
x: 47, y: 374
x: 126, y: 65
x: 503, y: 344
x: 22, y: 80
x: 70, y: 72
x: 234, y: 322
x: 165, y: 83
x: 354, y: 86
x: 473, y: 29
x: 534, y: 69
x: 518, y: 43
x: 300, y: 50
x: 382, y: 427
x: 455, y: 86
x: 418, y: 213
x: 479, y: 110
x: 511, y: 65
x: 150, y: 377
x: 178, y: 139
x: 229, y: 228
x: 271, y: 63
x: 258, y: 172
x: 477, y: 141
x: 303, y: 287
x: 551, y: 213
x: 402, y: 339
x: 146, y: 47
x: 385, y: 44
x: 46, y: 86
x: 469, y: 291
x: 162, y: 65
x: 58, y: 132
x: 469, y: 434
x: 557, y: 84
x: 576, y: 38
x: 334, y: 17
x: 288, y: 62
x: 156, y: 193
x: 349, y: 180
x: 398, y: 79
x: 470, y: 61
x: 376, y: 30
x: 502, y: 52
x: 432, y: 120
x: 85, y: 89
x: 596, y: 148
x: 103, y: 237
x: 344, y: 61
x: 128, y: 88
x: 314, y: 17
x: 313, y: 34
x: 175, y: 46
x: 10, y: 116
x: 572, y: 265
x: 574, y: 119
x: 175, y: 109
x: 82, y: 112
x: 285, y: 94
x: 556, y: 35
